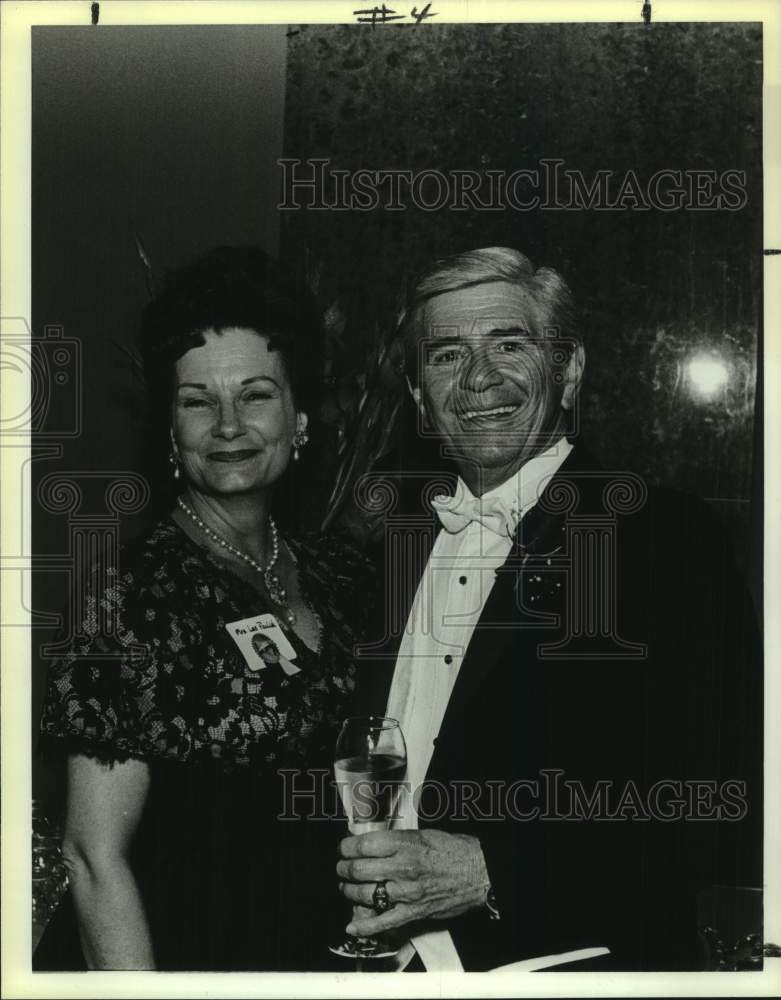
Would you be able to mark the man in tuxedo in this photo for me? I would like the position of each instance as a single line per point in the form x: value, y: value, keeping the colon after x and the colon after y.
x: 574, y: 665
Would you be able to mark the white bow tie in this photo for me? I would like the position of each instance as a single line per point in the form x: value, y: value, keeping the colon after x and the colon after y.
x: 457, y: 512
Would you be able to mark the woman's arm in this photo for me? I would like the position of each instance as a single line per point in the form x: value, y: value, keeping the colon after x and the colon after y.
x: 104, y: 808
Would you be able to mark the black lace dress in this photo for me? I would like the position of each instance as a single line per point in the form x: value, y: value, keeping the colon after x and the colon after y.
x: 236, y: 848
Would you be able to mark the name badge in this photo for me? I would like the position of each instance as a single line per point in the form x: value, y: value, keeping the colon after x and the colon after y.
x: 262, y: 643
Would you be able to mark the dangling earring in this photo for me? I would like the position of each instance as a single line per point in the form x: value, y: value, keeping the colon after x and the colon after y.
x: 299, y: 441
x: 173, y: 454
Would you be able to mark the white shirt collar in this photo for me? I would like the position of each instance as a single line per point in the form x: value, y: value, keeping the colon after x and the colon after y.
x: 522, y: 490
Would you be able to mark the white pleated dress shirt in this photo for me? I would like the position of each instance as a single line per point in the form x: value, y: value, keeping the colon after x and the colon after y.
x: 449, y: 601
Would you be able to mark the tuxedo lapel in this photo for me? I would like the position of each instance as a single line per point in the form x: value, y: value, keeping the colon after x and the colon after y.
x: 487, y: 648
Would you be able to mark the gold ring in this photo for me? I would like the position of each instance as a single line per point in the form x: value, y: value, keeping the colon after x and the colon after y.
x: 380, y: 899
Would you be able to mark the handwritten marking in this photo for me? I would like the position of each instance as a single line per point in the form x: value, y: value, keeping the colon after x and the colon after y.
x: 422, y: 15
x: 95, y: 10
x: 383, y: 15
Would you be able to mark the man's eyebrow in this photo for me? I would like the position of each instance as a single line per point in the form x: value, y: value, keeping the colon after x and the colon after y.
x: 500, y: 331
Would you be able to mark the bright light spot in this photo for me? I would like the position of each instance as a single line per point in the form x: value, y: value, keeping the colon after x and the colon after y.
x: 707, y: 374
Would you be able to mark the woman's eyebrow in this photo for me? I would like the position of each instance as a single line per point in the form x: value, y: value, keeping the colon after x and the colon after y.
x: 259, y: 378
x: 246, y: 381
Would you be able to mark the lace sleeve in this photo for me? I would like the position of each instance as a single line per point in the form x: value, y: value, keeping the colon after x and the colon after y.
x: 94, y: 698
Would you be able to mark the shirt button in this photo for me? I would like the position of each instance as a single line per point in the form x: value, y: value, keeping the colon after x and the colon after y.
x: 448, y: 659
x: 462, y: 580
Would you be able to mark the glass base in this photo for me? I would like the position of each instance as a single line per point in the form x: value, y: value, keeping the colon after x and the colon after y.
x: 370, y: 947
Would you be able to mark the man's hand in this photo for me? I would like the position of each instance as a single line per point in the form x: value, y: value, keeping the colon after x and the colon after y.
x: 429, y: 875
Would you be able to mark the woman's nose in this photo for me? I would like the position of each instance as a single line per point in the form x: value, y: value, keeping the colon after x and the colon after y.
x: 229, y: 423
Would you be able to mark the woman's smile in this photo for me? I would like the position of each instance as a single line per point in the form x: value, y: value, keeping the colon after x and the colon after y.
x: 242, y: 455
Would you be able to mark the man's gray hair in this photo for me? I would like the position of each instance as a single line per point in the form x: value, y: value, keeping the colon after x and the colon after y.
x: 544, y: 286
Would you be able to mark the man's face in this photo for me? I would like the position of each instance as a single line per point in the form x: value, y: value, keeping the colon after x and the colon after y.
x: 488, y: 384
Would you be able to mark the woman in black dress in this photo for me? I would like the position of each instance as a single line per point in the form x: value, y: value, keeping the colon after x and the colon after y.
x: 197, y: 831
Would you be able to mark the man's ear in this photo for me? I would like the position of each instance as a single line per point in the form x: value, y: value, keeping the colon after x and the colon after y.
x: 573, y: 377
x: 417, y: 395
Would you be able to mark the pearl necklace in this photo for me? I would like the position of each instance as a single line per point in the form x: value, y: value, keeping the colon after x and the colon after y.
x: 276, y: 591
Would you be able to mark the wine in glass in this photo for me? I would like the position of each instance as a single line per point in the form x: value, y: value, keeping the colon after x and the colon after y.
x: 370, y: 765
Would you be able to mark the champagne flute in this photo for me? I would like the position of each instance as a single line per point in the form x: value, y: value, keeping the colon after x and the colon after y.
x: 370, y: 765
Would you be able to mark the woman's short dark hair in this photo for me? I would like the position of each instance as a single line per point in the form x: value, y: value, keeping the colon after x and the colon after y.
x: 232, y: 287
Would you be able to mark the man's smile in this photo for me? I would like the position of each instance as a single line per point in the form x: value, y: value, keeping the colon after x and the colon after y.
x: 490, y: 413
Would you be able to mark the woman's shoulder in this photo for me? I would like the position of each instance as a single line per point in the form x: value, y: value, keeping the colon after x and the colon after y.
x: 162, y: 559
x: 162, y: 542
x: 118, y: 689
x: 138, y: 596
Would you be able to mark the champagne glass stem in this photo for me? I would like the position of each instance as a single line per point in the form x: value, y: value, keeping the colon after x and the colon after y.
x: 370, y: 762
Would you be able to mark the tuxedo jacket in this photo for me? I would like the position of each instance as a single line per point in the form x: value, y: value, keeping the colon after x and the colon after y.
x: 603, y: 739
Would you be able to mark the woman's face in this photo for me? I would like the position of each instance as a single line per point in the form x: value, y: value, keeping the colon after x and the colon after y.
x: 233, y: 418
